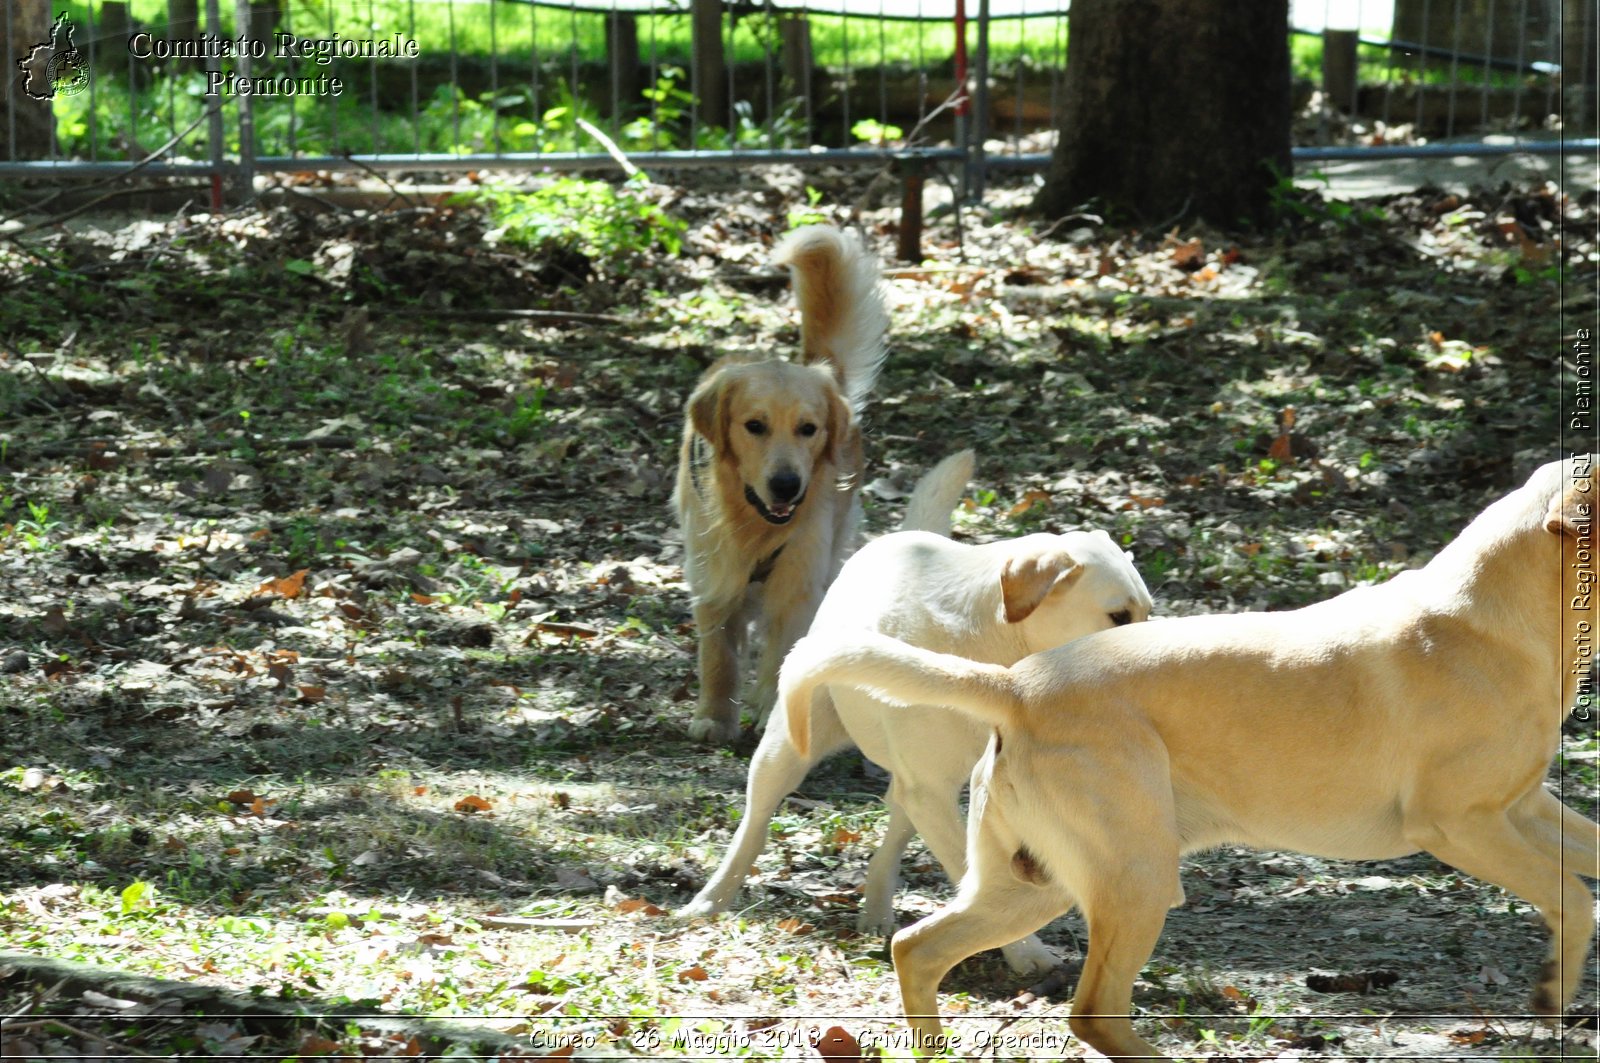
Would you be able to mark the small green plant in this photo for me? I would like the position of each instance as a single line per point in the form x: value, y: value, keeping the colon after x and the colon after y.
x: 670, y: 106
x: 605, y: 222
x: 1292, y: 203
x: 875, y: 132
x: 808, y: 214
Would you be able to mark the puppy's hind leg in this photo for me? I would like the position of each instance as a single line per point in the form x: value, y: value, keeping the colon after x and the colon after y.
x: 775, y: 770
x: 993, y: 907
x: 935, y: 808
x: 883, y: 871
x: 1125, y: 912
x: 1542, y: 814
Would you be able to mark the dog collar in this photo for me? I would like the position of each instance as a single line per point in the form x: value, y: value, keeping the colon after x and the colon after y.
x: 763, y: 567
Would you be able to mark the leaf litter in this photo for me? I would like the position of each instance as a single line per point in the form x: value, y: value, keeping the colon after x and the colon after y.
x: 354, y: 629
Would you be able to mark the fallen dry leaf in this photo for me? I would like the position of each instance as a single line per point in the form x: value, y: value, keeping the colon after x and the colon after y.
x: 289, y: 586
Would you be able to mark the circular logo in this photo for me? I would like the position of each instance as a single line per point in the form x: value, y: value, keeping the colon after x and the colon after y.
x: 68, y: 73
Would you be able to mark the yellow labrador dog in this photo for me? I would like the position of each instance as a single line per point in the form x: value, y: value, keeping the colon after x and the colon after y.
x: 997, y: 602
x: 1421, y: 714
x: 768, y: 472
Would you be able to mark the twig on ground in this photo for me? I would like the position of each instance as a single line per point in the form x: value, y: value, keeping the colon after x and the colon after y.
x: 390, y: 185
x: 612, y: 150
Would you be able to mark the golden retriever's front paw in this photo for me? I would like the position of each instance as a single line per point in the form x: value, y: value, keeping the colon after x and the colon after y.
x: 713, y: 732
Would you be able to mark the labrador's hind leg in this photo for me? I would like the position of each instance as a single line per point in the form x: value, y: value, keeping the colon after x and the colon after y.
x: 1496, y: 848
x: 993, y: 907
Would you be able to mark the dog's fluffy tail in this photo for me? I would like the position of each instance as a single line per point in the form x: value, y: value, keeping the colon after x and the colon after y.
x: 895, y: 671
x: 842, y: 313
x: 937, y: 493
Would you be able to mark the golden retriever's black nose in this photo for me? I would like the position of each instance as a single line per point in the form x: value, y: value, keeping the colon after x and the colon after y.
x: 784, y: 486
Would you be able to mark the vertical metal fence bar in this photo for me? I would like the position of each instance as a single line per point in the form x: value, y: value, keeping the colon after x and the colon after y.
x: 246, y: 109
x: 849, y: 75
x: 730, y: 64
x: 981, y: 106
x: 1058, y: 65
x: 1388, y: 81
x: 769, y: 34
x: 1323, y: 136
x: 963, y: 110
x: 1455, y: 66
x: 333, y: 102
x: 93, y: 124
x: 655, y: 80
x: 1422, y: 66
x: 214, y: 134
x: 883, y: 66
x: 172, y: 100
x: 372, y: 82
x: 416, y: 118
x: 494, y: 78
x: 614, y: 58
x: 135, y: 148
x: 810, y: 106
x: 533, y: 74
x: 1488, y: 66
x: 922, y: 67
x: 1522, y: 59
x: 572, y: 71
x: 293, y: 102
x: 455, y: 80
x: 1550, y: 82
x: 1021, y: 80
x: 1361, y: 23
x: 696, y: 90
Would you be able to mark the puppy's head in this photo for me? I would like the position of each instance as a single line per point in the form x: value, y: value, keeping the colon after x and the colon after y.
x: 774, y: 428
x: 1062, y: 587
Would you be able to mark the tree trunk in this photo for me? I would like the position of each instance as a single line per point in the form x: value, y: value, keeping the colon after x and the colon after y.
x: 1173, y: 108
x: 26, y: 124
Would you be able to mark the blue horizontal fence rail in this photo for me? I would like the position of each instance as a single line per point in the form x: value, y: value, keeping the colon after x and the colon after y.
x: 556, y: 85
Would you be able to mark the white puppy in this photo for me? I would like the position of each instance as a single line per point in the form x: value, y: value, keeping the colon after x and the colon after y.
x: 996, y: 603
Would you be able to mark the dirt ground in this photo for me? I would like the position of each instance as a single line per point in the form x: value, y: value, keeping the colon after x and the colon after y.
x: 345, y: 655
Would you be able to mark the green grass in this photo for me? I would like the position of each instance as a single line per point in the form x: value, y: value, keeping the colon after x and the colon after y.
x: 516, y: 30
x: 505, y: 106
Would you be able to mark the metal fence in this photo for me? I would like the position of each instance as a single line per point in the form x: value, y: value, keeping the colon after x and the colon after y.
x: 233, y: 88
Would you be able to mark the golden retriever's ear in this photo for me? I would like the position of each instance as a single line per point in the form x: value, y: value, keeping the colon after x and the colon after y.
x: 1026, y: 581
x: 708, y: 413
x: 1572, y: 512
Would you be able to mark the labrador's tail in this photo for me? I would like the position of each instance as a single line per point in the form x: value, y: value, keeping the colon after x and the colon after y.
x: 895, y: 671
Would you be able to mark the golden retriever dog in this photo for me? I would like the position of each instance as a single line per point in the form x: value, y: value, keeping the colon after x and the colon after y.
x: 1418, y: 715
x: 996, y: 602
x: 768, y: 472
